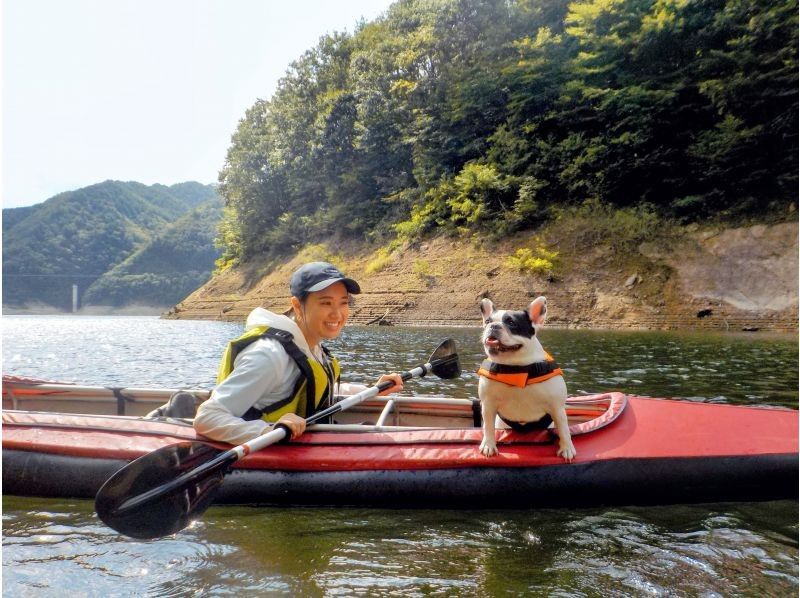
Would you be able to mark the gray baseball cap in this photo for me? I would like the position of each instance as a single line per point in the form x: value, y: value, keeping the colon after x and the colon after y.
x: 316, y: 276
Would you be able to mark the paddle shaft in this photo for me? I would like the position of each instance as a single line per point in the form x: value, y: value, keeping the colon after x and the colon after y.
x: 278, y: 433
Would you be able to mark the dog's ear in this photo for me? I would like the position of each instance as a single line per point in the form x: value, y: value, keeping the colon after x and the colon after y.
x: 487, y: 308
x: 537, y: 310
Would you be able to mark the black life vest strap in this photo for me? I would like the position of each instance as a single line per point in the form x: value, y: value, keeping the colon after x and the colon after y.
x: 534, y: 370
x: 477, y: 417
x: 287, y: 342
x: 541, y: 424
x: 327, y: 365
x: 328, y: 400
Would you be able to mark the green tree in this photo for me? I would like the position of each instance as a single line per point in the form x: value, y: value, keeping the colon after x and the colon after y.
x: 475, y: 114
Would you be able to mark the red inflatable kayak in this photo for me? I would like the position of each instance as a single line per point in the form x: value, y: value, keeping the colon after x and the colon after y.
x: 423, y: 452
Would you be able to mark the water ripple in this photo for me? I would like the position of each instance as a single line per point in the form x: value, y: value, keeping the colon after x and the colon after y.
x: 53, y: 547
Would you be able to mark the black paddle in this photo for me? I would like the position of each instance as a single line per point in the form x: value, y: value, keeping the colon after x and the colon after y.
x: 160, y: 493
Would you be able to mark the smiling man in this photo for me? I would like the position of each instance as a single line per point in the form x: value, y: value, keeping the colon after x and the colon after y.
x: 278, y: 372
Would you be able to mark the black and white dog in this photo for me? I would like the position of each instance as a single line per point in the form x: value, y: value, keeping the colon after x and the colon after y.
x: 519, y: 382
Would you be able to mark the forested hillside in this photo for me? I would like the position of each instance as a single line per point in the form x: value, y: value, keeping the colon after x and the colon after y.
x: 76, y: 237
x: 492, y: 116
x: 13, y: 216
x: 177, y: 260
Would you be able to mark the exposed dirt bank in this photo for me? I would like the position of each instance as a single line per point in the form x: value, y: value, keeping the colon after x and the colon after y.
x: 734, y: 279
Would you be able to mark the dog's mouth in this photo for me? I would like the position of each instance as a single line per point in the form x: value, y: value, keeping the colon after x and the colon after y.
x: 493, y: 345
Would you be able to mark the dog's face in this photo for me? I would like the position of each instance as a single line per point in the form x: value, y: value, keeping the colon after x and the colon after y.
x: 510, y: 336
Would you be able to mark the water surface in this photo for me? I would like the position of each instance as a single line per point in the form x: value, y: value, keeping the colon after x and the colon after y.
x: 52, y: 547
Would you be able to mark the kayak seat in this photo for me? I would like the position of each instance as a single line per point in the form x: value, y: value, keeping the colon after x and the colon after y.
x: 180, y: 405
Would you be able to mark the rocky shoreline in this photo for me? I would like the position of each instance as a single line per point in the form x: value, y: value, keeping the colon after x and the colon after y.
x: 743, y: 279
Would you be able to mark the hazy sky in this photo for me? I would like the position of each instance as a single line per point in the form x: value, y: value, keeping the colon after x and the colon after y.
x: 142, y: 90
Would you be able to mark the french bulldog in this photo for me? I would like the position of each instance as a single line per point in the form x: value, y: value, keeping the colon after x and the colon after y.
x: 518, y: 382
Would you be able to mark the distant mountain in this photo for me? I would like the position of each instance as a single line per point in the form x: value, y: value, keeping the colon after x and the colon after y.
x: 13, y: 216
x: 78, y: 236
x: 175, y: 262
x: 191, y: 192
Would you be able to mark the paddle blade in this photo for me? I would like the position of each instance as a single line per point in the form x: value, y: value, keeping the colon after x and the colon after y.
x: 166, y: 513
x: 444, y: 360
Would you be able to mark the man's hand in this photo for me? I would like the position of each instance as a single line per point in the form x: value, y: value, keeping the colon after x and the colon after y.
x: 294, y: 422
x: 393, y: 377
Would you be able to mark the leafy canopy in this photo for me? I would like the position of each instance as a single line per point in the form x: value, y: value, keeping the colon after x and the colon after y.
x: 490, y: 115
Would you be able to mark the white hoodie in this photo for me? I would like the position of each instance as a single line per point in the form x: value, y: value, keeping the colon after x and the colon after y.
x: 263, y: 374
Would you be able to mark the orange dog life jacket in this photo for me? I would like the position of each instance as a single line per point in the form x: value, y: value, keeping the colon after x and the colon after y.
x: 520, y: 375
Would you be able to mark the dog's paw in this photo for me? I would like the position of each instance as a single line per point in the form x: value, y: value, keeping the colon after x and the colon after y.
x: 488, y: 449
x: 567, y: 450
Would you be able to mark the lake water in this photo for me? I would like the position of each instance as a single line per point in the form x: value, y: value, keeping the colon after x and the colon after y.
x: 53, y: 547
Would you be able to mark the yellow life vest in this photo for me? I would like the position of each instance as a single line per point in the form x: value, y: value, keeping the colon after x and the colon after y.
x: 314, y: 385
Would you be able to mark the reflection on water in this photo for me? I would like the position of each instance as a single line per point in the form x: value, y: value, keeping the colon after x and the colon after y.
x: 146, y: 351
x: 699, y: 366
x: 52, y: 547
x: 743, y: 549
